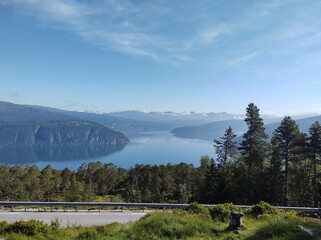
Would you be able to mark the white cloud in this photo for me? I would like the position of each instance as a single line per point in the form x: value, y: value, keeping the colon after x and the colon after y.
x: 242, y: 59
x: 113, y: 25
x: 133, y: 27
x: 80, y: 106
x: 208, y: 36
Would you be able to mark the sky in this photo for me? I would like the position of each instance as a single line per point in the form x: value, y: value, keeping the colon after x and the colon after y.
x: 162, y: 55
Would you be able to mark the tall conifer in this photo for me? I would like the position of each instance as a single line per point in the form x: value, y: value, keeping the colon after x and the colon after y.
x: 285, y: 142
x: 315, y: 151
x: 253, y: 147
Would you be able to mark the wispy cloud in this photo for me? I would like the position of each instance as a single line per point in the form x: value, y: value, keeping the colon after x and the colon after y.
x: 242, y: 59
x: 209, y: 36
x: 140, y: 28
x: 13, y: 94
x: 113, y: 25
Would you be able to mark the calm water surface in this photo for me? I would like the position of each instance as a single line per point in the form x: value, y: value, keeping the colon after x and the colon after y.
x: 147, y: 148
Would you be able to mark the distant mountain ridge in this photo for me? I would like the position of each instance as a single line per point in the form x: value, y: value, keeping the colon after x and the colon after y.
x: 216, y: 130
x: 127, y: 122
x: 175, y: 116
x: 210, y: 131
x: 205, y: 126
x: 33, y: 126
x: 15, y: 113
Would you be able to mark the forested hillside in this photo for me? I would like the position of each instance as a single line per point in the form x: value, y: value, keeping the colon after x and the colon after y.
x: 282, y: 171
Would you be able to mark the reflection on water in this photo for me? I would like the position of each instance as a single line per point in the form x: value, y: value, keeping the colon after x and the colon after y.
x: 145, y: 148
x: 29, y: 155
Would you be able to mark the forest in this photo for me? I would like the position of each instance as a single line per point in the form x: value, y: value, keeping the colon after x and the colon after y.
x: 283, y: 169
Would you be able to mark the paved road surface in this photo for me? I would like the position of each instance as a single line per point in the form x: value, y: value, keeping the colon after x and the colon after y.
x: 84, y: 218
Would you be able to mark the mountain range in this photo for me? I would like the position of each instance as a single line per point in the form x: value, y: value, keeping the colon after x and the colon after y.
x: 30, y: 125
x: 215, y: 130
x: 34, y: 126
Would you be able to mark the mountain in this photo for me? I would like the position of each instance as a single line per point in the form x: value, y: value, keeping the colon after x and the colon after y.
x: 58, y: 133
x: 127, y: 122
x: 214, y: 130
x: 25, y: 118
x: 10, y: 113
x: 210, y: 131
x: 15, y: 113
x: 304, y: 124
x: 127, y: 126
x: 176, y: 117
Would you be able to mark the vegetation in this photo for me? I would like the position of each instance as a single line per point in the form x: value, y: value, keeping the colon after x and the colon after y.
x: 192, y: 223
x: 284, y: 171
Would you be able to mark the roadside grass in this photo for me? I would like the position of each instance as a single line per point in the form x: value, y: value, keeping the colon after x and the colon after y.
x: 195, y: 223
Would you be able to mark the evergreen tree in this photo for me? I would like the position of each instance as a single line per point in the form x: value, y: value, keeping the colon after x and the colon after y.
x: 225, y: 148
x: 201, y: 191
x: 253, y: 149
x: 276, y: 176
x: 210, y: 183
x: 285, y: 143
x: 315, y: 151
x: 47, y: 183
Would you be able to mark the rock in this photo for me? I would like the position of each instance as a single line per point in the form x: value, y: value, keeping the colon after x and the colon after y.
x: 236, y: 220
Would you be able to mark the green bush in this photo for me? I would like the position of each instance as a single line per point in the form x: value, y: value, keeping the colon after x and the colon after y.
x: 55, y: 223
x: 29, y: 228
x: 112, y: 229
x: 278, y: 228
x: 222, y: 212
x: 262, y: 208
x: 196, y: 209
x: 181, y: 225
x: 3, y: 226
x: 88, y: 235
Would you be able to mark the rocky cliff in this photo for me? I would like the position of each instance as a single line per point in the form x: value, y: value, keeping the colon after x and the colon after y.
x: 58, y: 133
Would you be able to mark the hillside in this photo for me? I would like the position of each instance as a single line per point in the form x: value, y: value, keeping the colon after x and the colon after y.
x: 15, y: 113
x: 58, y: 133
x: 209, y: 131
x: 215, y: 130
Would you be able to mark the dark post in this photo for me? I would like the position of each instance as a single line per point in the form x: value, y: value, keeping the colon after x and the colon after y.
x: 236, y: 220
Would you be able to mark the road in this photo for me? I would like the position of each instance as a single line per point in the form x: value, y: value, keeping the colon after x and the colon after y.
x: 83, y: 218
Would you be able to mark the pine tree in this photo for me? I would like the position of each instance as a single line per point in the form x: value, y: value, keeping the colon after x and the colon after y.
x: 253, y: 147
x: 276, y: 177
x: 284, y: 143
x: 225, y: 148
x: 315, y: 151
x: 210, y: 183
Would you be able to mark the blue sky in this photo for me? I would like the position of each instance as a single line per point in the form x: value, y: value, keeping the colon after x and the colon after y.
x: 157, y: 55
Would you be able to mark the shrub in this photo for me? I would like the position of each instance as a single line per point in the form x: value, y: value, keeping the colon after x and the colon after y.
x: 262, y: 208
x: 29, y: 228
x: 55, y: 223
x: 88, y: 235
x: 196, y: 209
x: 172, y: 226
x: 222, y: 212
x: 112, y: 229
x: 3, y: 226
x: 278, y: 228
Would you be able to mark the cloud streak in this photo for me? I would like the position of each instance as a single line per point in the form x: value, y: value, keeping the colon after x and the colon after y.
x: 112, y: 25
x: 140, y: 28
x: 13, y: 95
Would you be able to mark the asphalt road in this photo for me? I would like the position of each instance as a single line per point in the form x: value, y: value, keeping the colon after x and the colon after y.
x: 83, y: 218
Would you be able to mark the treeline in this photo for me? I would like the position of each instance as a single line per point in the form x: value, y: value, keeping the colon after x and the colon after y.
x: 282, y: 170
x: 92, y: 181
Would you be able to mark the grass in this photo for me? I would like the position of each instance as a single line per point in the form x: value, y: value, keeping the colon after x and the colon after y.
x: 196, y: 223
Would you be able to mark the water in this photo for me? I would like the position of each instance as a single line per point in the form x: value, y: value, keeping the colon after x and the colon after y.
x: 146, y: 148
